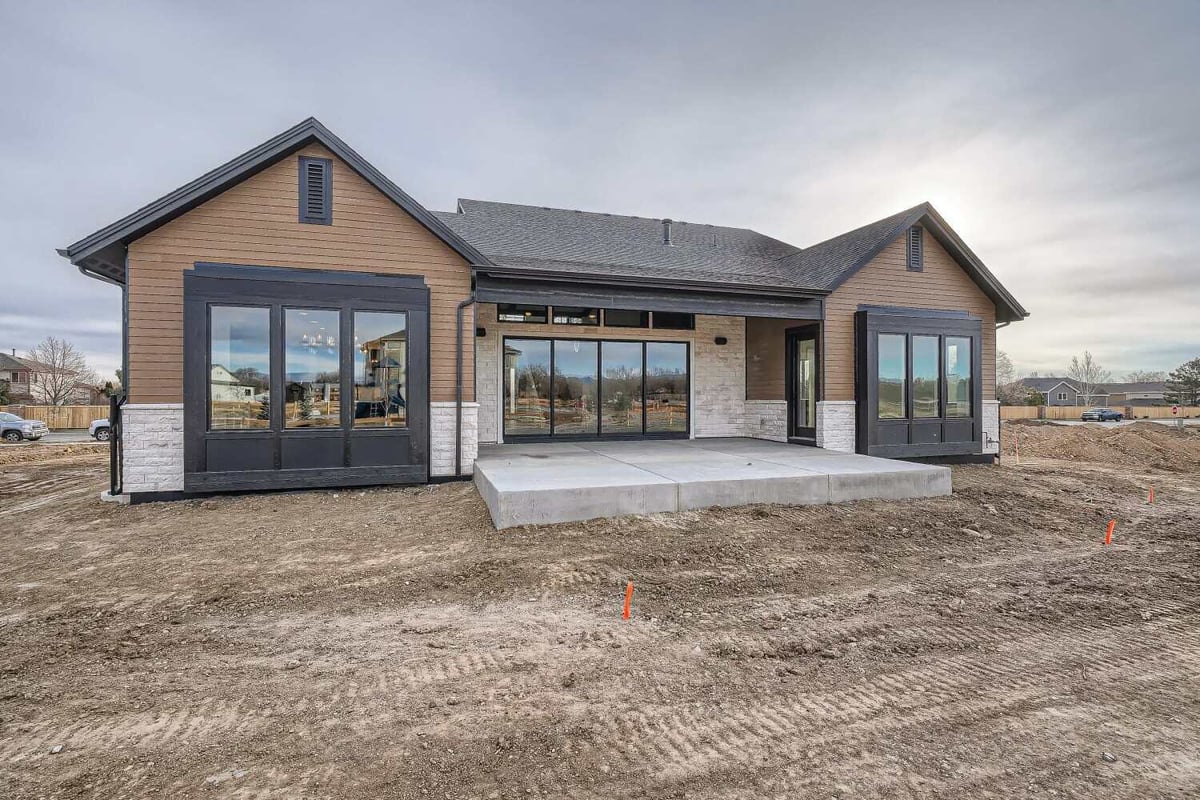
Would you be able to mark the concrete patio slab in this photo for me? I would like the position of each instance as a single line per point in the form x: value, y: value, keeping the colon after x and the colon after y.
x: 531, y: 484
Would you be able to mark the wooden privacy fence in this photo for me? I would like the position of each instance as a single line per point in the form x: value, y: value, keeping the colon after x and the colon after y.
x: 60, y: 417
x: 1073, y: 412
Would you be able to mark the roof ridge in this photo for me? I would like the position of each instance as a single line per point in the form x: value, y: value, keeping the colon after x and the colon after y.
x: 924, y: 207
x: 674, y: 221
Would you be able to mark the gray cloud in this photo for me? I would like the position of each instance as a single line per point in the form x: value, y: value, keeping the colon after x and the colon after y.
x: 1058, y: 139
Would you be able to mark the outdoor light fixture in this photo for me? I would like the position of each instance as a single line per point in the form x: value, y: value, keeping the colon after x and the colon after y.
x: 721, y: 340
x: 481, y: 332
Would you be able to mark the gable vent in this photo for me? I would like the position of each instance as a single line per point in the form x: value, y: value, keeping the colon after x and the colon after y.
x: 316, y: 190
x: 916, y: 249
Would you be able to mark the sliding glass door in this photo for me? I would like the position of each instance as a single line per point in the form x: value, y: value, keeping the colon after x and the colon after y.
x: 585, y: 389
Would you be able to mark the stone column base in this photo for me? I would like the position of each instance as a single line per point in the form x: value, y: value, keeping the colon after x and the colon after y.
x: 766, y: 419
x: 441, y: 438
x: 152, y: 447
x: 991, y: 426
x: 835, y: 425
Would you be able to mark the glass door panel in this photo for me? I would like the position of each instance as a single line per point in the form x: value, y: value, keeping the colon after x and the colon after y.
x: 575, y: 387
x: 526, y: 387
x: 806, y: 383
x: 621, y: 388
x: 666, y: 387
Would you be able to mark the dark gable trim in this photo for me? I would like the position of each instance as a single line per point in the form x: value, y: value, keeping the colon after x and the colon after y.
x: 1007, y: 307
x: 102, y: 253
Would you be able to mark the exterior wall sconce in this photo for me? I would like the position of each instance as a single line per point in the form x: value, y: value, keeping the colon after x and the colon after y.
x: 721, y: 340
x: 481, y: 332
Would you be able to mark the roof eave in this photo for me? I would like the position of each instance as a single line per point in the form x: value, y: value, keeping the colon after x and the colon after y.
x: 213, y: 183
x: 580, y: 276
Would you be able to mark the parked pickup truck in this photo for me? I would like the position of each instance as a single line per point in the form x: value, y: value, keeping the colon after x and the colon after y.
x: 1101, y: 415
x: 100, y: 430
x: 14, y: 429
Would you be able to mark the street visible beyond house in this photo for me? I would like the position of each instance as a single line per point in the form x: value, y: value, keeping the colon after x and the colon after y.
x: 390, y: 643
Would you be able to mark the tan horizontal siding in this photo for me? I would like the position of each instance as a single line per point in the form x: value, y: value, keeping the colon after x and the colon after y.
x: 765, y: 357
x: 886, y: 281
x: 256, y: 223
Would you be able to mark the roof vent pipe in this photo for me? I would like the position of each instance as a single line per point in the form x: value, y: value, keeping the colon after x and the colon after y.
x: 667, y: 232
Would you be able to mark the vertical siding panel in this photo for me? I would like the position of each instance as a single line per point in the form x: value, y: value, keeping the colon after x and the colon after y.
x: 256, y: 223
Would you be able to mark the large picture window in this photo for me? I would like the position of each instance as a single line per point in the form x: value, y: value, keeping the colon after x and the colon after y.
x: 239, y: 382
x: 380, y: 368
x: 919, y: 368
x: 589, y: 388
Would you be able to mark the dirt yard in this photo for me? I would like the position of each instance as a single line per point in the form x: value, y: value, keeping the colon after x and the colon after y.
x: 389, y: 643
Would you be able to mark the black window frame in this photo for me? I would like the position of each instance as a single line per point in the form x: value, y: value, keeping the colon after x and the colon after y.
x: 526, y: 318
x: 599, y: 435
x: 688, y: 320
x: 325, y: 216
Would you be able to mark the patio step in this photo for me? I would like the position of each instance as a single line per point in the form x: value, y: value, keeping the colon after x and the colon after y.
x: 534, y: 484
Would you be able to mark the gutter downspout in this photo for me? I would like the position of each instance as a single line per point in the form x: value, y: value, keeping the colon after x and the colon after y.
x: 458, y: 388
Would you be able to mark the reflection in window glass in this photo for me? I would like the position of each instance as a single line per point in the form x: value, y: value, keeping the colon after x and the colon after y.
x: 575, y: 387
x: 675, y: 321
x: 514, y: 312
x: 240, y: 379
x: 958, y: 376
x: 312, y: 378
x: 925, y: 376
x: 380, y: 368
x: 526, y: 387
x: 893, y: 366
x: 623, y: 318
x: 621, y: 388
x: 576, y: 316
x: 666, y: 387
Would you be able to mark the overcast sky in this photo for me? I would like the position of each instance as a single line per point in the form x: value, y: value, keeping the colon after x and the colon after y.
x: 1062, y: 141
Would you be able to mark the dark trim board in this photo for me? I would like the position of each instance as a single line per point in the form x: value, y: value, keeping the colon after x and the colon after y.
x: 277, y: 457
x: 543, y: 292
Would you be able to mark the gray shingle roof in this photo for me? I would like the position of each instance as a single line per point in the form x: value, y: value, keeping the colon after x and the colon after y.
x: 7, y: 362
x: 557, y: 241
x: 537, y: 238
x: 1046, y: 384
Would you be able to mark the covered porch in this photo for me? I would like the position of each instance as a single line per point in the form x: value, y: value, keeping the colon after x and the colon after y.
x: 548, y: 482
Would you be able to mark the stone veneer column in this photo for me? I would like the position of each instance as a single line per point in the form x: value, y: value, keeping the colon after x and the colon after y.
x: 991, y: 426
x: 766, y: 419
x: 835, y: 425
x: 152, y: 447
x: 487, y: 384
x: 719, y: 376
x: 441, y: 438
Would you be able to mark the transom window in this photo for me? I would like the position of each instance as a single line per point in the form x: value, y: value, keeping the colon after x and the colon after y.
x: 568, y: 315
x: 516, y: 312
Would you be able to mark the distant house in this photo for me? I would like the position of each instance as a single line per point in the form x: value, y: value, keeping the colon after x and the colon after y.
x: 19, y: 373
x: 25, y: 376
x: 1065, y: 392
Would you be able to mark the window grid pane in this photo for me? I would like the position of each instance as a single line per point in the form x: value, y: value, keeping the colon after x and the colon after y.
x: 380, y: 369
x: 240, y: 374
x: 312, y: 368
x: 666, y: 387
x: 893, y: 376
x: 925, y: 377
x: 958, y: 376
x: 526, y: 387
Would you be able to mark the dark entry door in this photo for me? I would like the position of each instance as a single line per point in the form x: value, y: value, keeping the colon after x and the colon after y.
x: 803, y: 381
x: 304, y: 379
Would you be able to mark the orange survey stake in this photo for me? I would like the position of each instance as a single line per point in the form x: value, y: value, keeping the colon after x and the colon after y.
x: 1112, y: 523
x: 628, y: 600
x: 1151, y: 495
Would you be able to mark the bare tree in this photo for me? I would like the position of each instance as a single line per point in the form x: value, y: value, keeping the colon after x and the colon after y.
x: 1145, y: 376
x: 1088, y: 375
x: 59, y: 369
x: 1005, y: 372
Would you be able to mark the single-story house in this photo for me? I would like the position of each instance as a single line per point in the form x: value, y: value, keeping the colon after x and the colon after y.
x: 1066, y: 392
x: 390, y: 341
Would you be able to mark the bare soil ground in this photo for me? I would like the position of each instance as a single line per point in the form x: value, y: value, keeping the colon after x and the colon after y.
x: 389, y: 643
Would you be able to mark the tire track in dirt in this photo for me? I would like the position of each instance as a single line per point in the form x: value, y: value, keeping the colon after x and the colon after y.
x: 650, y: 738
